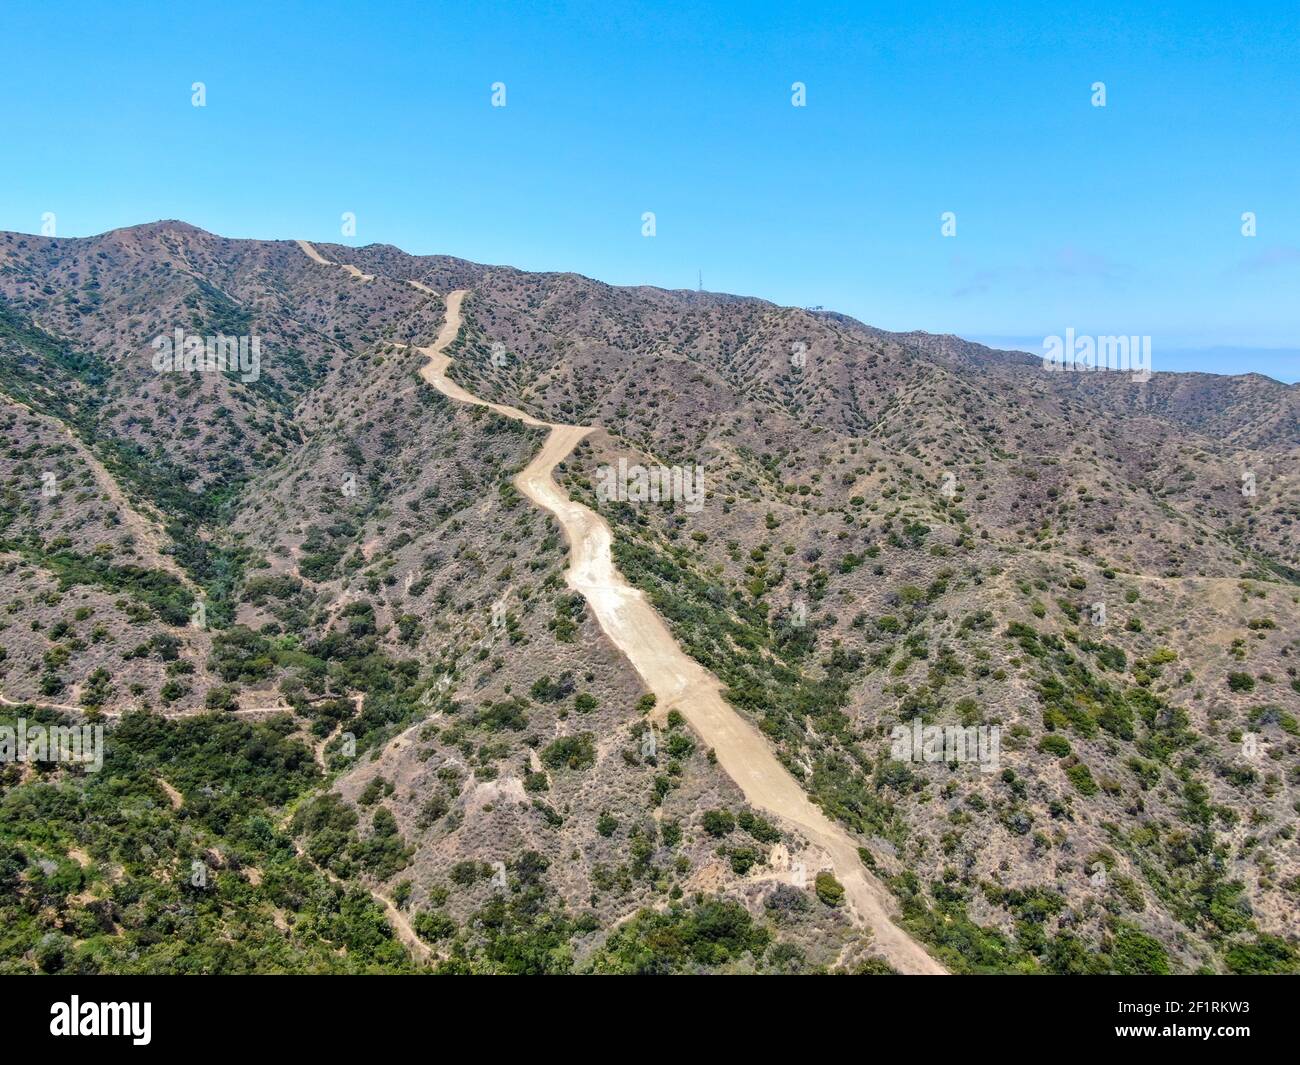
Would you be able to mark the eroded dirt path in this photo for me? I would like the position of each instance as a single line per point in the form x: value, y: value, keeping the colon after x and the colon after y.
x: 310, y: 251
x: 63, y: 707
x: 677, y: 680
x: 397, y: 920
x: 145, y: 529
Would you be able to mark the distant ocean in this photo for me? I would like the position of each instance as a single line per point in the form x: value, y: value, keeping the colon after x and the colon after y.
x: 1281, y: 364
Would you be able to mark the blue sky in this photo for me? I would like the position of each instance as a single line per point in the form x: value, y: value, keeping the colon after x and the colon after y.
x: 1117, y: 220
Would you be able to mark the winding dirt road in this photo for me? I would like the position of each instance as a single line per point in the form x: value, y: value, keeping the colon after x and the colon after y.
x: 677, y: 680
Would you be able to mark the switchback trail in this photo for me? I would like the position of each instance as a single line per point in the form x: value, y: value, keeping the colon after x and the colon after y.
x: 677, y: 680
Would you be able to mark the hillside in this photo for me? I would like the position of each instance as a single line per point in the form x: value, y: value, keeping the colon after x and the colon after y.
x: 393, y: 726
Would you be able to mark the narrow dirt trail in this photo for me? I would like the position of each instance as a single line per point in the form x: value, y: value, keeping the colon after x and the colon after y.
x: 397, y: 920
x: 63, y: 707
x: 146, y: 529
x: 310, y: 251
x: 677, y: 680
x: 111, y: 712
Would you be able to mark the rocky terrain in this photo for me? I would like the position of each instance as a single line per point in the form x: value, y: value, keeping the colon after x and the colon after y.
x: 343, y: 673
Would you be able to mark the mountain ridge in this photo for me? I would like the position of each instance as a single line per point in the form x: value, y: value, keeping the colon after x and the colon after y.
x: 367, y: 251
x: 895, y: 527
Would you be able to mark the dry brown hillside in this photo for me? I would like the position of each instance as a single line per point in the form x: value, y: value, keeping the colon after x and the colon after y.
x: 896, y: 529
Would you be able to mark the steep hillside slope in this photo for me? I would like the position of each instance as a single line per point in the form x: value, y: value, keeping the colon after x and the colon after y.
x: 895, y: 528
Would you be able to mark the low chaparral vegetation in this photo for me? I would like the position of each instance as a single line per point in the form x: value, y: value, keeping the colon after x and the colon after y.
x: 344, y: 678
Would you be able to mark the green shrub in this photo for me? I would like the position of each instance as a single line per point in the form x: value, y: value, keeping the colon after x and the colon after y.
x: 1055, y: 745
x: 1241, y: 682
x: 570, y: 752
x: 719, y: 822
x: 1134, y: 953
x: 829, y: 890
x: 1081, y: 777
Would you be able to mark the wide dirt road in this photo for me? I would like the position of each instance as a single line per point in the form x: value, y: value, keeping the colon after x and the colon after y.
x: 677, y: 680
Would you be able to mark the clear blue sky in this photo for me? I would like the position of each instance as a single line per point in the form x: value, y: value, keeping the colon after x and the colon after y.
x: 1123, y: 219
